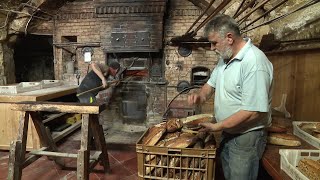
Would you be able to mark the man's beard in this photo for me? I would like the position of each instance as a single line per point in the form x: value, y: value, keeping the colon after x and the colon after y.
x: 226, y: 54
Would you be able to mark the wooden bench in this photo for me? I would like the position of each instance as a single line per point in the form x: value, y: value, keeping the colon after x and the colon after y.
x: 90, y: 129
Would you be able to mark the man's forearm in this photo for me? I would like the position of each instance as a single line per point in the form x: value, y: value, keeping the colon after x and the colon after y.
x: 205, y: 93
x: 238, y: 118
x: 98, y: 72
x: 237, y: 121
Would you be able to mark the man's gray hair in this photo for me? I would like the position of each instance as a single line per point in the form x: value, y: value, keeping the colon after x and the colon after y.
x: 222, y: 24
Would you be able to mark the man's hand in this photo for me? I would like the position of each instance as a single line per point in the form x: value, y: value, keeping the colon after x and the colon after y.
x: 117, y: 82
x: 114, y: 83
x: 212, y: 126
x: 198, y: 98
x: 105, y: 84
x: 194, y: 99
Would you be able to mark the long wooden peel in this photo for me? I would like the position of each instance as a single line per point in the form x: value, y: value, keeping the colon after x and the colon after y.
x: 249, y: 4
x: 203, y: 13
x: 309, y: 3
x: 267, y: 12
x: 215, y: 12
x: 240, y: 6
x: 241, y: 20
x: 96, y: 88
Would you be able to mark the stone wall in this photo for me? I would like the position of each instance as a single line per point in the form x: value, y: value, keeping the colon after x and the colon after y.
x: 76, y: 20
x: 7, y: 75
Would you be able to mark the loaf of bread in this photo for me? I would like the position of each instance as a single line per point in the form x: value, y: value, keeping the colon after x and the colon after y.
x: 173, y: 124
x: 283, y: 139
x: 275, y: 128
x: 192, y: 122
x: 183, y: 141
x: 310, y: 168
x: 154, y: 134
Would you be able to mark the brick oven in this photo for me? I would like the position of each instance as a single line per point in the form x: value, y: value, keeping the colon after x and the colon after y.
x: 129, y: 32
x: 142, y: 91
x: 126, y: 31
x: 135, y: 40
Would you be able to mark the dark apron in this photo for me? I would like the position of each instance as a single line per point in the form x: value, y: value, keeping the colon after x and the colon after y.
x: 90, y: 81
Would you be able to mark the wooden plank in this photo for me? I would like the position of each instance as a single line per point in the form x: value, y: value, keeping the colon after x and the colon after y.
x: 94, y: 159
x: 22, y: 134
x: 31, y: 158
x: 54, y: 154
x: 59, y: 107
x: 45, y: 135
x: 53, y: 117
x: 9, y: 128
x: 100, y: 141
x: 307, y: 104
x: 14, y: 168
x: 84, y: 152
x: 60, y: 154
x: 39, y: 95
x: 297, y: 74
x: 64, y: 133
x: 18, y: 148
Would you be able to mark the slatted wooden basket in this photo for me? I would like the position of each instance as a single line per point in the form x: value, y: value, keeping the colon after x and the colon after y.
x: 156, y: 162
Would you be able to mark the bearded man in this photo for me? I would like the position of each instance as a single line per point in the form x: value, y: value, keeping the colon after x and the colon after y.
x: 242, y: 84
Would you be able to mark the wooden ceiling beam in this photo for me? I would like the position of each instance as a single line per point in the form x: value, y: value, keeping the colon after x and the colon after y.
x: 203, y: 4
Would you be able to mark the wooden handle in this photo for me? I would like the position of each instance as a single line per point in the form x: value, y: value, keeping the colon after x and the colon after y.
x: 97, y: 88
x: 90, y: 90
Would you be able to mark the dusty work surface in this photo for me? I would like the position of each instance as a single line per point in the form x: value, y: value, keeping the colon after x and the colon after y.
x: 40, y: 94
x: 271, y: 156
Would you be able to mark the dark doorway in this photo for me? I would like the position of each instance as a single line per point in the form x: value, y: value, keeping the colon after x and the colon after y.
x: 33, y: 58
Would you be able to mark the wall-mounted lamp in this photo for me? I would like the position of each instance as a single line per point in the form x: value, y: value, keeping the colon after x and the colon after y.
x: 87, y: 53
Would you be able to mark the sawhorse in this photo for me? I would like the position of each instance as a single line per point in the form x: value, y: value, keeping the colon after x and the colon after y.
x: 90, y: 128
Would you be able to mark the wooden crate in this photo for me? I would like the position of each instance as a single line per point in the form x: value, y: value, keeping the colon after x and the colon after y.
x: 161, y: 170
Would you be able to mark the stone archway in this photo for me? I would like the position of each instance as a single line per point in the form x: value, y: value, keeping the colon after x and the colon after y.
x: 14, y: 22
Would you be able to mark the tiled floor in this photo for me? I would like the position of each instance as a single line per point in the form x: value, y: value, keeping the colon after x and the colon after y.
x: 123, y: 163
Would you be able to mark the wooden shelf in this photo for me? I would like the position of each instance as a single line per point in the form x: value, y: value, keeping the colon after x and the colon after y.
x: 59, y: 135
x: 53, y: 117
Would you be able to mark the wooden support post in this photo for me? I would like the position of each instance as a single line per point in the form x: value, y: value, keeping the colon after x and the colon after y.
x: 90, y: 129
x: 84, y: 152
x: 45, y: 136
x: 32, y: 158
x: 18, y: 148
x: 14, y: 169
x: 100, y: 141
